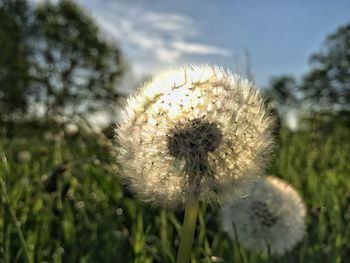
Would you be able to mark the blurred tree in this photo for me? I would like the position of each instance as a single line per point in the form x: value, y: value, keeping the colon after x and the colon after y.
x: 73, y: 67
x: 283, y: 91
x: 282, y: 97
x: 326, y: 87
x: 70, y: 68
x: 327, y: 84
x: 14, y: 64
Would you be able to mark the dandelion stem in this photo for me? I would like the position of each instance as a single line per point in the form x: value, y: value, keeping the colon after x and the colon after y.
x: 187, y: 232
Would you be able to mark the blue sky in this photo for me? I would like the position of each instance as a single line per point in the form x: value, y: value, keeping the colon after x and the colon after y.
x: 278, y: 36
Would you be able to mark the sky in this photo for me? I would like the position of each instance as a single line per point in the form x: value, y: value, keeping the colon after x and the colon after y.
x: 270, y: 37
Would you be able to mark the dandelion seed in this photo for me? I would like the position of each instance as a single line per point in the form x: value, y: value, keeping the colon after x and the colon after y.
x: 193, y: 133
x: 272, y: 217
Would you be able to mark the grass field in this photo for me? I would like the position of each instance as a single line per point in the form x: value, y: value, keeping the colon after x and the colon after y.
x: 62, y: 202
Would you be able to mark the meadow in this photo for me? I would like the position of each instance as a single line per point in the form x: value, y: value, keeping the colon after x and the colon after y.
x: 61, y: 200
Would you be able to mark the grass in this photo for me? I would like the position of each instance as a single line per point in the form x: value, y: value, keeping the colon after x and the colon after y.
x: 69, y: 206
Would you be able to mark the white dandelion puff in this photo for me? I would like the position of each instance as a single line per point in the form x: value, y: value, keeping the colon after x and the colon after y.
x: 193, y: 132
x: 271, y: 217
x: 24, y: 156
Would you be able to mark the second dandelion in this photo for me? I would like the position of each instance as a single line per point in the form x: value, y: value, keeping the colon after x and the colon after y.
x: 271, y: 219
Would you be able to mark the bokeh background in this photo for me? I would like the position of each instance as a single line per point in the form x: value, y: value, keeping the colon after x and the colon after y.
x: 67, y: 67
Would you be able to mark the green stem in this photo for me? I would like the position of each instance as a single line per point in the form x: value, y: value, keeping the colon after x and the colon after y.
x: 165, y: 247
x: 187, y: 232
x: 163, y: 227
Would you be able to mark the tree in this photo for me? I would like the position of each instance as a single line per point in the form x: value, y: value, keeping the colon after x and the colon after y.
x: 282, y: 96
x: 73, y: 64
x: 327, y: 84
x: 326, y: 87
x: 70, y: 68
x: 283, y: 91
x: 14, y: 65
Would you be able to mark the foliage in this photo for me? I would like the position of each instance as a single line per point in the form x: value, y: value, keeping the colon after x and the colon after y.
x: 59, y: 61
x: 326, y: 85
x: 14, y: 65
x: 282, y: 91
x: 71, y: 207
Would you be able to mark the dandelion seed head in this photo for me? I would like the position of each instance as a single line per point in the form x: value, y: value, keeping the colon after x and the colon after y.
x: 193, y: 137
x: 24, y: 156
x: 271, y: 217
x: 195, y: 132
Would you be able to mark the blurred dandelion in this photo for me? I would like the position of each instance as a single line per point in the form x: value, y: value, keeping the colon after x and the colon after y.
x: 24, y: 156
x: 193, y: 133
x: 196, y: 133
x: 271, y: 218
x: 71, y: 129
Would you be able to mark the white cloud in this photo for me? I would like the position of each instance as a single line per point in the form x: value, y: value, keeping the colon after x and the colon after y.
x: 167, y: 55
x: 172, y: 23
x: 150, y: 39
x: 200, y: 49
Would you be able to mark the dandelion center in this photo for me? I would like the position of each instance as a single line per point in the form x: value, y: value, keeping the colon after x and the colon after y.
x: 262, y: 213
x: 193, y: 139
